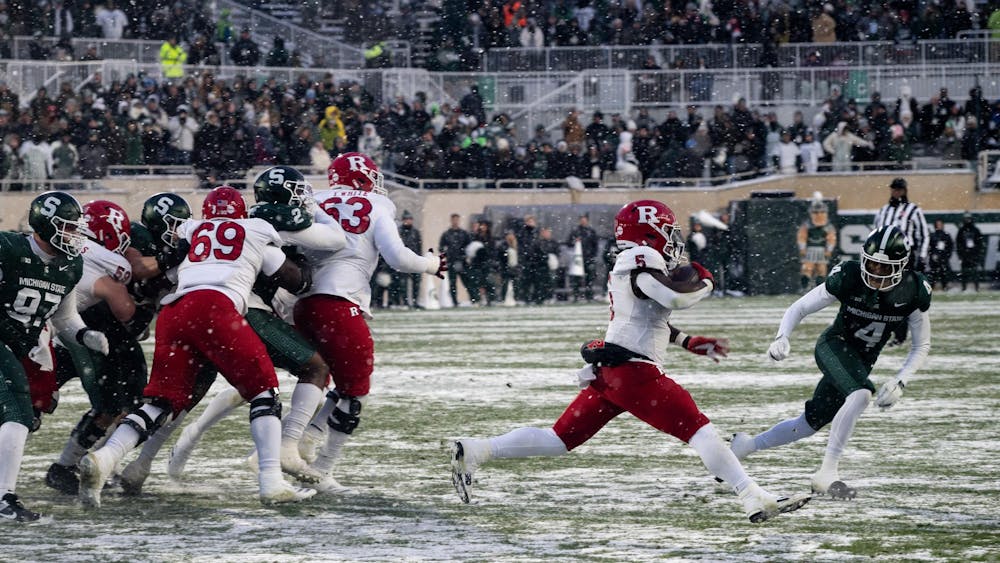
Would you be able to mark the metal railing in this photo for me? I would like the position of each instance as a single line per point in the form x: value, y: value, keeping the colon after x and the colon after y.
x: 42, y: 184
x: 975, y: 49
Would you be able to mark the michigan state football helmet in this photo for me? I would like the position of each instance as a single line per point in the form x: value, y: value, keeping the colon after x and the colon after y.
x: 57, y: 218
x: 883, y: 258
x: 162, y: 213
x: 281, y: 184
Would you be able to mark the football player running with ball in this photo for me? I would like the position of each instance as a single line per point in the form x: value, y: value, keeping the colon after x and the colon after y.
x: 876, y: 295
x: 628, y: 375
x: 201, y: 322
x: 37, y: 275
x: 333, y: 314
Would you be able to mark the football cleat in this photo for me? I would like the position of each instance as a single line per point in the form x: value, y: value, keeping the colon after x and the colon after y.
x: 63, y: 479
x: 465, y: 460
x: 11, y: 509
x: 281, y: 492
x: 293, y: 464
x: 831, y: 485
x: 762, y: 506
x: 327, y: 485
x: 134, y: 475
x: 94, y: 471
x: 742, y: 445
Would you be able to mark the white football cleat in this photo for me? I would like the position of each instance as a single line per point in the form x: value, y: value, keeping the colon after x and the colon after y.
x: 828, y: 483
x: 134, y: 475
x: 94, y: 471
x: 281, y: 492
x: 742, y: 445
x: 327, y: 485
x: 466, y: 455
x: 761, y: 505
x: 293, y: 464
x: 310, y: 442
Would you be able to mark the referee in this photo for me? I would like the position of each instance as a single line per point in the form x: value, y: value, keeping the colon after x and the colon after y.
x: 910, y: 219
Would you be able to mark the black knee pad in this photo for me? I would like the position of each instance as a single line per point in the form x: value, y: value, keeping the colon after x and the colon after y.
x: 148, y: 426
x: 333, y: 395
x: 345, y: 422
x: 266, y: 406
x: 87, y: 432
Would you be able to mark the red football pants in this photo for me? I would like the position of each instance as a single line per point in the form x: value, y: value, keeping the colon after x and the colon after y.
x: 636, y: 387
x: 204, y: 326
x: 340, y: 333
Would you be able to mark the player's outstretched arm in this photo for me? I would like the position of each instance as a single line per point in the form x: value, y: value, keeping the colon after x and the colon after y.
x: 714, y: 348
x: 816, y: 300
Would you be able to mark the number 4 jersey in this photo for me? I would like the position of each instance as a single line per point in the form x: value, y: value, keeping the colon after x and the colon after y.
x: 30, y: 290
x: 868, y: 317
x: 226, y: 255
x: 369, y: 223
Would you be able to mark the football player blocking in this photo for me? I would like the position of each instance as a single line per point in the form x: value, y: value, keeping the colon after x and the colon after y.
x: 39, y: 271
x: 201, y: 322
x: 876, y: 296
x: 627, y: 373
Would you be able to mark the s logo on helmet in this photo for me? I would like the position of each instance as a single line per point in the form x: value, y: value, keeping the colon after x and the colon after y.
x: 276, y: 176
x: 163, y: 205
x: 647, y: 214
x: 50, y: 206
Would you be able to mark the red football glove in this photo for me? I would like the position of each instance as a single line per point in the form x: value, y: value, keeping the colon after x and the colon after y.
x: 714, y: 348
x: 703, y: 273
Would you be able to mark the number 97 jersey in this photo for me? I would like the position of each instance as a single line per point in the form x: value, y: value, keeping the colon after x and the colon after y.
x: 226, y: 255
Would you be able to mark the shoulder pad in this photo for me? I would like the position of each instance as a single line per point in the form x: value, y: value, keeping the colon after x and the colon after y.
x: 843, y: 278
x: 282, y: 217
x: 111, y: 263
x: 639, y: 257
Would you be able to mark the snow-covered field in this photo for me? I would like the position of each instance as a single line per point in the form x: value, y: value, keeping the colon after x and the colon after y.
x: 927, y: 469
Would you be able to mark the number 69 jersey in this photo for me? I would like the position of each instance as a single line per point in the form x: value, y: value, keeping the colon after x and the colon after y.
x: 867, y: 318
x: 226, y: 255
x: 369, y: 223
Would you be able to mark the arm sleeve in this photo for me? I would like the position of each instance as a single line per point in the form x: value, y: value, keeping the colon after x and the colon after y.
x: 920, y: 331
x: 66, y: 319
x: 816, y: 300
x: 273, y: 259
x: 391, y: 247
x: 327, y: 236
x: 668, y: 297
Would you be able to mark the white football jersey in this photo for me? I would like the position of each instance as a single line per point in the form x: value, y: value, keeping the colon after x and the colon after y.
x: 637, y: 324
x: 97, y: 263
x: 324, y: 236
x: 369, y: 223
x: 226, y: 255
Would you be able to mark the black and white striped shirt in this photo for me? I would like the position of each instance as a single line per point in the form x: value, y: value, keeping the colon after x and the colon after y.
x: 910, y: 219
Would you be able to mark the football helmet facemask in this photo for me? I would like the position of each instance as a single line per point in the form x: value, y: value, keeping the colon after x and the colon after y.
x: 57, y: 218
x: 281, y: 184
x: 883, y: 258
x: 356, y: 171
x: 650, y: 223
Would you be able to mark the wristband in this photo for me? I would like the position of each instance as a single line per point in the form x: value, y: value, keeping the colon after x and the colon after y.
x: 80, y: 334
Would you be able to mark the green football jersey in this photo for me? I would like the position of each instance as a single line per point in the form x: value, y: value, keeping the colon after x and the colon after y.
x: 816, y: 236
x: 867, y: 318
x: 281, y: 216
x: 30, y: 290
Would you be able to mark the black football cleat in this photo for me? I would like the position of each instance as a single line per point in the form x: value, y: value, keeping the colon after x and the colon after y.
x: 64, y: 479
x: 11, y: 509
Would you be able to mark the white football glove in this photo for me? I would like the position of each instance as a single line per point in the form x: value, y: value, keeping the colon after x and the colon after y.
x: 890, y: 393
x: 96, y: 341
x: 779, y: 349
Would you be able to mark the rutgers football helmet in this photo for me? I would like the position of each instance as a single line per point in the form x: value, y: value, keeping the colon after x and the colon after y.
x: 649, y: 223
x: 224, y: 202
x: 356, y: 171
x: 883, y: 258
x: 109, y: 224
x: 281, y: 184
x: 162, y: 213
x: 56, y: 217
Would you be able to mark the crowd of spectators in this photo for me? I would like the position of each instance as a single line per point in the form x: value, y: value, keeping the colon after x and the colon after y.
x: 224, y: 128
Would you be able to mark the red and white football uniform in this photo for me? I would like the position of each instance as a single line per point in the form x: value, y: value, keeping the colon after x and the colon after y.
x: 202, y: 321
x: 333, y: 314
x: 97, y: 263
x: 638, y: 386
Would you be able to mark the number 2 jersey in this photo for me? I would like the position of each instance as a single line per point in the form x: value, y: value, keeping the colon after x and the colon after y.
x: 226, y: 255
x: 369, y: 223
x: 32, y: 290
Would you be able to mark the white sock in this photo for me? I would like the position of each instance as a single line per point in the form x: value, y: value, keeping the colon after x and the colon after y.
x: 784, y: 432
x: 843, y: 426
x: 330, y: 451
x: 125, y: 437
x: 527, y: 442
x: 154, y: 444
x: 718, y: 459
x: 266, y: 432
x: 305, y: 398
x: 317, y: 425
x: 72, y: 453
x: 218, y: 408
x: 13, y: 435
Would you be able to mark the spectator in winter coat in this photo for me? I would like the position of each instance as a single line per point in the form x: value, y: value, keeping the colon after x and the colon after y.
x: 839, y: 144
x: 93, y: 158
x: 245, y: 52
x: 971, y: 246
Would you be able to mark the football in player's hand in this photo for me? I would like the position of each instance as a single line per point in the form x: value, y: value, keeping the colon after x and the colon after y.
x: 685, y: 274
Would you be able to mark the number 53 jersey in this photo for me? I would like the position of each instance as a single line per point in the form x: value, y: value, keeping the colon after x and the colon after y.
x: 226, y: 255
x: 369, y: 223
x: 867, y: 318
